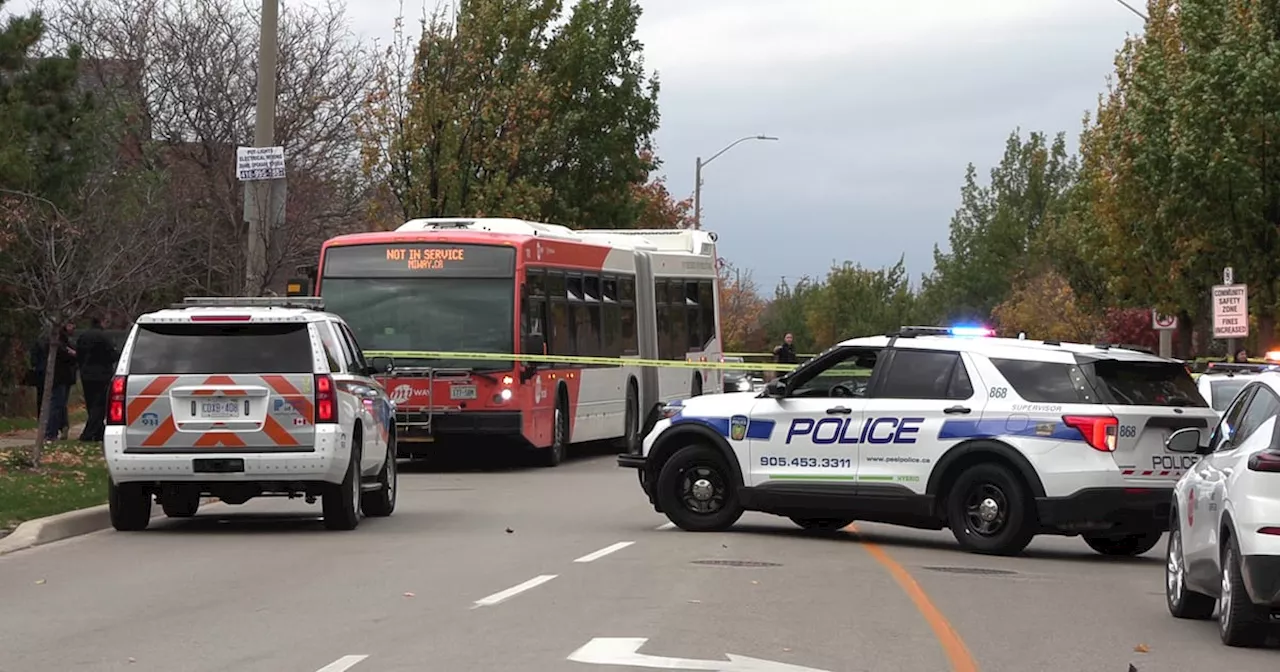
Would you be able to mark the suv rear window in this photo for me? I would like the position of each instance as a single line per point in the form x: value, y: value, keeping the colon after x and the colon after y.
x: 1045, y: 382
x: 1145, y: 383
x: 1225, y: 391
x: 180, y: 349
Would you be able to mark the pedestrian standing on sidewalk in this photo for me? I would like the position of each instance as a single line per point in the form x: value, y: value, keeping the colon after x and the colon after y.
x: 96, y: 356
x: 64, y: 378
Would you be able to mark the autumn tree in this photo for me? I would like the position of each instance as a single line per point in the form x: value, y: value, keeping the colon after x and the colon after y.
x: 741, y: 308
x: 503, y: 109
x: 191, y: 75
x: 1044, y: 307
x: 856, y: 301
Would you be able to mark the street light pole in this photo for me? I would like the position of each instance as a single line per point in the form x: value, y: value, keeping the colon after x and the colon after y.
x: 697, y: 175
x: 263, y: 217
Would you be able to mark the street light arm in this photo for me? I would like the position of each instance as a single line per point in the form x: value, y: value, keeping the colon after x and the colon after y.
x: 735, y: 143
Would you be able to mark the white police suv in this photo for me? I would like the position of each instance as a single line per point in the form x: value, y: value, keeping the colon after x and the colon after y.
x: 238, y: 398
x: 997, y: 439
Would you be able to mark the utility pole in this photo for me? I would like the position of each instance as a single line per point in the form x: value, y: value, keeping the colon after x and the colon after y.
x: 262, y: 218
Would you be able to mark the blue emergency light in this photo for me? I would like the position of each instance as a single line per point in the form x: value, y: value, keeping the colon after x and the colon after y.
x: 971, y: 331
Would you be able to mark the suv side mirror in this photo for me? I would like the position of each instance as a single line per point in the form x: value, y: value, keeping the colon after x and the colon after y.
x: 378, y: 365
x: 1185, y: 441
x: 776, y: 388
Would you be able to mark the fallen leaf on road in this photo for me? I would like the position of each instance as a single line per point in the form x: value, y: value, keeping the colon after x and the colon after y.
x: 1142, y: 648
x: 786, y: 649
x: 133, y: 660
x: 755, y: 583
x: 409, y: 595
x: 695, y: 601
x: 509, y: 530
x: 39, y: 582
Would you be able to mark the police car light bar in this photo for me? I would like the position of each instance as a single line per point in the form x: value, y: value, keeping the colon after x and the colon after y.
x: 305, y: 302
x: 911, y: 332
x: 972, y: 331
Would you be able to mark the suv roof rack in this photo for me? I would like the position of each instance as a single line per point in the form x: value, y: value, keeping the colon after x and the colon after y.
x: 303, y: 302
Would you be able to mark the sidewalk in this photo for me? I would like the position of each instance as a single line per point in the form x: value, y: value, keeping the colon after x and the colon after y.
x: 27, y: 437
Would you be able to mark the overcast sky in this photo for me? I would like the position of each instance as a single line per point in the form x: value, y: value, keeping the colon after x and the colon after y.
x: 877, y: 104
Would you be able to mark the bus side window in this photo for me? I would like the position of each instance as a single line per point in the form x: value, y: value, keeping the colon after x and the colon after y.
x: 560, y: 341
x: 627, y: 303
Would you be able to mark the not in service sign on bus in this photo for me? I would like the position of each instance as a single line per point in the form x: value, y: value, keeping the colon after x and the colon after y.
x: 1230, y: 311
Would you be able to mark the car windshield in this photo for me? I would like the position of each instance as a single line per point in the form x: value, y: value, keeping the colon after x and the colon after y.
x: 1224, y: 391
x: 428, y: 315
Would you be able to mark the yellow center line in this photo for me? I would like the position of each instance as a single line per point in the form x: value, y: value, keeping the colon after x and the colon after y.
x: 952, y: 645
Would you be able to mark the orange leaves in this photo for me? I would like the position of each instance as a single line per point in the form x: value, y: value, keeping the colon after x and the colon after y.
x: 1044, y: 307
x: 741, y: 308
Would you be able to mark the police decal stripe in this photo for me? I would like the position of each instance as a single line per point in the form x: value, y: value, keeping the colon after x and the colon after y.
x: 756, y: 429
x: 1030, y: 428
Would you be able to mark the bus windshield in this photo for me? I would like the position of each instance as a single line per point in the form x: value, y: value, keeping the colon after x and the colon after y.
x: 428, y: 314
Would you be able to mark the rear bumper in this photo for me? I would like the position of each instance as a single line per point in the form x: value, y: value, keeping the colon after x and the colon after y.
x: 1262, y: 578
x: 325, y: 461
x: 414, y: 424
x: 1103, y: 509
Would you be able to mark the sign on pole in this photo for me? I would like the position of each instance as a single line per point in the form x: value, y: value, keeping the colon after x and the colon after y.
x: 1163, y: 322
x: 1228, y: 275
x: 259, y: 163
x: 1231, y: 311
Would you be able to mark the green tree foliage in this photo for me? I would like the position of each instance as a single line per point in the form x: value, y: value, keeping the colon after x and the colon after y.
x: 505, y: 110
x: 994, y: 230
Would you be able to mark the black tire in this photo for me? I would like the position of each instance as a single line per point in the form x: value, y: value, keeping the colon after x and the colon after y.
x: 554, y: 454
x: 341, y: 503
x: 1128, y: 545
x: 130, y: 506
x: 382, y: 502
x: 1241, y: 623
x: 1011, y: 523
x: 180, y: 502
x: 823, y: 524
x: 698, y: 491
x: 631, y: 435
x: 1182, y: 601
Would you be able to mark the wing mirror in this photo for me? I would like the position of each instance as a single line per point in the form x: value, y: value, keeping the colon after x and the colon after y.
x: 776, y: 388
x: 379, y: 365
x: 1188, y: 440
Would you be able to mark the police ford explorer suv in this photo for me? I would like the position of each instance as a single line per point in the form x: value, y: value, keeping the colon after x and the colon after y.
x: 237, y: 398
x: 996, y: 439
x: 1224, y: 547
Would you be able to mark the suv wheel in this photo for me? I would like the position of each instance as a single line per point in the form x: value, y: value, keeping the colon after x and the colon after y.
x: 130, y: 506
x: 989, y: 512
x: 1183, y: 602
x: 697, y: 490
x: 341, y: 503
x: 382, y: 502
x: 1130, y: 544
x: 180, y: 502
x: 1240, y: 621
x: 631, y: 438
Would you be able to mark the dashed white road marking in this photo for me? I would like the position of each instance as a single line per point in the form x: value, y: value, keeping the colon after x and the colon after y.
x: 666, y: 526
x: 604, y: 551
x: 513, y: 591
x: 342, y: 664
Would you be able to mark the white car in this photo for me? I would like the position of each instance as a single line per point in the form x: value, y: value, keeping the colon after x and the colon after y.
x: 1224, y: 543
x: 237, y: 398
x: 1219, y: 384
x: 997, y: 439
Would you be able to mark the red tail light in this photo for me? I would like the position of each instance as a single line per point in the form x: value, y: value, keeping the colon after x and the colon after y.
x: 115, y: 400
x: 326, y: 411
x: 1098, y: 430
x: 1267, y: 460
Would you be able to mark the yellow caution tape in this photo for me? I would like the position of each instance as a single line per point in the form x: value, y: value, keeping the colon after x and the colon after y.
x: 744, y: 355
x: 584, y: 361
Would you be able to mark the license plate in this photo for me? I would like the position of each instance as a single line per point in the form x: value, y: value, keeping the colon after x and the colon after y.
x: 462, y: 392
x: 219, y: 409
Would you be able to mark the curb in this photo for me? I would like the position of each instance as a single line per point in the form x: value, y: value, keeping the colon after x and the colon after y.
x: 64, y: 526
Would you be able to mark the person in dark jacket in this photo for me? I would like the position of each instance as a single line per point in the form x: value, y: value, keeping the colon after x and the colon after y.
x: 786, y: 353
x: 64, y: 378
x: 96, y: 356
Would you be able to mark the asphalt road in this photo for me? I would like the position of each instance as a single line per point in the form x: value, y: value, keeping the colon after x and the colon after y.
x: 522, y: 569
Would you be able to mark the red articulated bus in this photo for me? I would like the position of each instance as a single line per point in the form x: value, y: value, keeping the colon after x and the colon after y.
x: 508, y: 286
